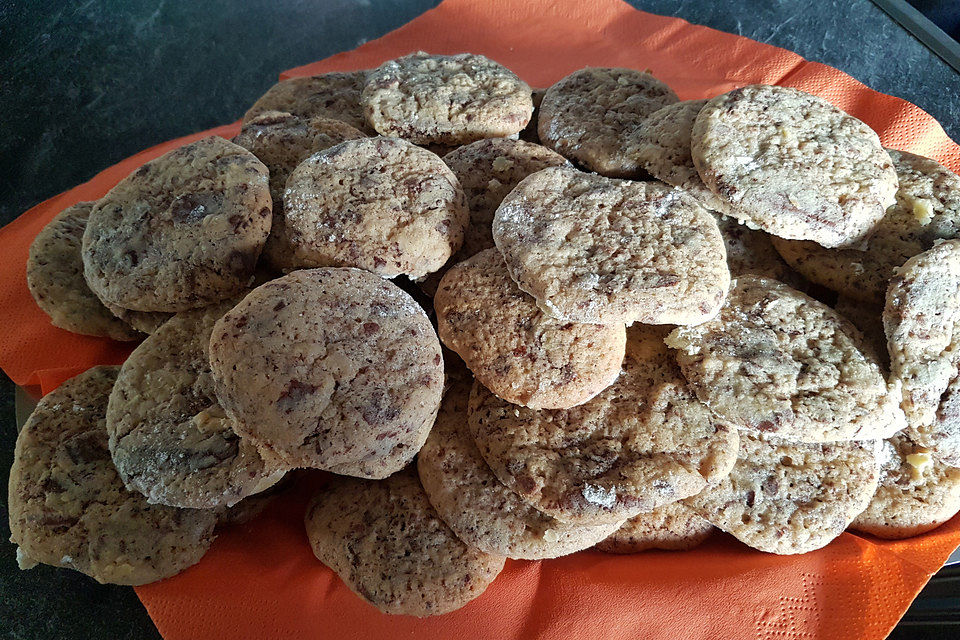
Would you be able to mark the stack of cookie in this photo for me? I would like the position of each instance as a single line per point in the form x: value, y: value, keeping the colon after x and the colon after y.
x: 637, y: 299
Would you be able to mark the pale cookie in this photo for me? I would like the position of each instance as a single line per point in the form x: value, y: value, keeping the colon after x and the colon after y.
x: 867, y: 317
x: 334, y: 369
x: 55, y: 279
x: 789, y: 498
x: 530, y: 133
x: 922, y: 322
x: 328, y: 95
x: 480, y: 510
x: 182, y: 231
x: 282, y: 141
x: 645, y: 441
x: 487, y: 171
x: 516, y: 350
x: 927, y: 210
x: 793, y: 165
x: 69, y: 508
x: 380, y: 204
x: 437, y: 99
x: 169, y: 437
x: 144, y: 321
x: 253, y: 505
x: 777, y: 362
x: 750, y: 251
x: 586, y: 115
x: 390, y: 547
x: 917, y: 493
x: 661, y: 145
x: 594, y: 249
x: 673, y: 527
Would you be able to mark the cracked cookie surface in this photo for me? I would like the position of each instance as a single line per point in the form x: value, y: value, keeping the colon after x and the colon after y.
x: 793, y: 165
x: 183, y: 231
x: 643, y: 442
x: 335, y: 369
x: 595, y: 249
x: 69, y: 508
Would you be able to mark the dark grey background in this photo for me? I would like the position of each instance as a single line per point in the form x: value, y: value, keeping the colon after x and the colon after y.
x: 85, y: 85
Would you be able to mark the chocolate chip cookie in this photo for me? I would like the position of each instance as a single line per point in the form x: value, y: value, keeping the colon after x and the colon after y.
x: 672, y: 527
x: 328, y: 95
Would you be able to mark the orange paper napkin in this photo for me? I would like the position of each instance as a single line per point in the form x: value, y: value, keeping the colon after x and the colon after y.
x: 261, y: 581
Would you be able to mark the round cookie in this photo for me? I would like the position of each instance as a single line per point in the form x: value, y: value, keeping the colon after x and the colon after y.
x: 586, y: 116
x: 788, y: 498
x: 487, y: 171
x: 380, y: 204
x: 182, y: 231
x: 281, y: 141
x: 328, y: 95
x: 516, y: 350
x: 55, y: 279
x: 645, y: 441
x: 927, y: 210
x: 793, y: 165
x: 389, y: 546
x: 922, y: 322
x: 447, y: 100
x: 595, y: 249
x: 481, y: 511
x: 69, y: 508
x: 868, y: 319
x: 169, y: 438
x: 916, y: 493
x: 777, y: 362
x: 750, y: 251
x: 672, y: 527
x: 661, y: 145
x: 529, y: 133
x: 334, y: 369
x: 253, y: 505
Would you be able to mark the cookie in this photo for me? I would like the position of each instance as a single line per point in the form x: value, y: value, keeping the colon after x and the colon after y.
x: 487, y: 171
x: 868, y: 319
x: 586, y: 116
x: 750, y: 251
x: 55, y: 279
x: 779, y: 363
x: 182, y: 231
x: 253, y: 505
x: 481, y: 511
x: 389, y: 546
x: 922, y: 323
x: 788, y: 498
x: 594, y: 249
x: 927, y: 210
x: 644, y: 442
x: 169, y: 438
x: 281, y: 141
x: 328, y: 95
x: 517, y: 351
x: 672, y: 527
x: 916, y: 494
x: 437, y: 99
x: 530, y: 133
x: 661, y: 145
x: 380, y: 204
x: 793, y: 165
x: 69, y: 508
x: 334, y: 369
x: 143, y: 321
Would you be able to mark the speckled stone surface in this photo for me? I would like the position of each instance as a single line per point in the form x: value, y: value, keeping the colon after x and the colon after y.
x: 83, y: 85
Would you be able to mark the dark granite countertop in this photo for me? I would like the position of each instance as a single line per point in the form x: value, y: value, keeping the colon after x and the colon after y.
x: 85, y: 85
